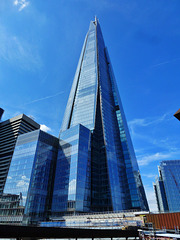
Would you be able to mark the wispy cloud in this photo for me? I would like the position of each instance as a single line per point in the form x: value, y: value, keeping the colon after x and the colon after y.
x: 21, y: 4
x: 148, y: 175
x: 44, y: 98
x: 147, y: 159
x: 45, y: 128
x: 164, y: 63
x: 18, y: 52
x: 144, y: 122
x: 137, y: 128
x: 160, y: 147
x: 23, y: 182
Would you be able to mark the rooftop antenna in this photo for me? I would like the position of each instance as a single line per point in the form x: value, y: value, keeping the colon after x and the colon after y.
x: 95, y: 20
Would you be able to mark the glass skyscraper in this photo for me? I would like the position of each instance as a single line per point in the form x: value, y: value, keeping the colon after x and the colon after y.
x: 167, y: 186
x: 92, y: 166
x: 96, y: 167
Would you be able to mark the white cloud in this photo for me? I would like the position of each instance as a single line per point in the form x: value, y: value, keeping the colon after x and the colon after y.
x: 149, y: 130
x: 21, y: 4
x: 22, y: 183
x: 45, y: 128
x: 18, y: 52
x: 144, y: 122
x: 145, y: 160
x: 16, y: 2
x: 25, y: 178
x: 149, y: 175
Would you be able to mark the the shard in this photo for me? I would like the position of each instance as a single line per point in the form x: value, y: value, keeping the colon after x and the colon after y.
x: 96, y: 168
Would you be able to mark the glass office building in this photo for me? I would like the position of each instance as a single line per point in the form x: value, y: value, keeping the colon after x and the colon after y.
x: 167, y: 186
x: 160, y: 195
x: 9, y: 132
x: 31, y: 173
x: 92, y: 166
x: 72, y: 182
x: 97, y: 169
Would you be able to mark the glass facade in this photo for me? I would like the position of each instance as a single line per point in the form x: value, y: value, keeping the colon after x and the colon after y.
x: 72, y: 178
x: 94, y: 102
x: 9, y: 131
x: 21, y: 165
x: 167, y: 186
x: 31, y: 173
x: 92, y: 166
x: 85, y: 98
x: 160, y: 195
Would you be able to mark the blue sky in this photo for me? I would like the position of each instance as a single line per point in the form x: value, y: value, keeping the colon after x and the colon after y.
x: 40, y: 44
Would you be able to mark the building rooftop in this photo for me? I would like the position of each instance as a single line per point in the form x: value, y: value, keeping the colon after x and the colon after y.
x: 23, y: 117
x: 177, y: 114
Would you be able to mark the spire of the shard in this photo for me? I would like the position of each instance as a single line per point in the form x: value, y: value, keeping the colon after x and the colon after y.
x: 95, y: 20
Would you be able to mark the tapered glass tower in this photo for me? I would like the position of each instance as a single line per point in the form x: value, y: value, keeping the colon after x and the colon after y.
x: 96, y: 167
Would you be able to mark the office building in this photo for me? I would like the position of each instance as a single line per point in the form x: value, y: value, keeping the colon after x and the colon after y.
x: 11, y: 209
x: 96, y: 167
x: 92, y: 166
x: 160, y: 195
x: 9, y: 131
x: 31, y: 173
x: 167, y: 186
